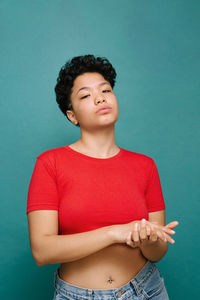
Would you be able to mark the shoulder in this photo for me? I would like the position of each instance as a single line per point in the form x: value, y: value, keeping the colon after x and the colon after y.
x: 50, y: 155
x: 142, y: 163
x: 138, y: 157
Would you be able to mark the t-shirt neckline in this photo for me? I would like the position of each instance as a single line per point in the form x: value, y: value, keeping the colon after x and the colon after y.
x: 79, y: 154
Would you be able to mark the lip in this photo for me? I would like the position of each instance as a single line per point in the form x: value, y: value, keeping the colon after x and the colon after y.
x: 104, y: 109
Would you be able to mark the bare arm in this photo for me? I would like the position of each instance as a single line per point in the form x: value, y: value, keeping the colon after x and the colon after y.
x: 155, y: 251
x: 158, y: 249
x: 50, y: 248
x: 153, y: 245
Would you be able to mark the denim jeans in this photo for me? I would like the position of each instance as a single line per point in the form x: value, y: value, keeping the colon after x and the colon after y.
x: 147, y: 284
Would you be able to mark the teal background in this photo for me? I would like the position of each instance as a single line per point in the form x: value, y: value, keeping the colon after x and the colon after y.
x: 154, y: 47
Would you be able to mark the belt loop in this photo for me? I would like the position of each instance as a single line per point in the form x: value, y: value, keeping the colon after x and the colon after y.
x: 89, y: 293
x: 137, y: 288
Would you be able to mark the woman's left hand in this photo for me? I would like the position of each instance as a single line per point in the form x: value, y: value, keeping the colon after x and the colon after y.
x: 146, y: 232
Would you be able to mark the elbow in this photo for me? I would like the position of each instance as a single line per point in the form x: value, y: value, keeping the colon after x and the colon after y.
x: 39, y: 263
x: 40, y: 256
x: 38, y: 259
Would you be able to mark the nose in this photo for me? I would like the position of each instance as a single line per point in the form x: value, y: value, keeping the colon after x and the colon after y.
x: 100, y: 98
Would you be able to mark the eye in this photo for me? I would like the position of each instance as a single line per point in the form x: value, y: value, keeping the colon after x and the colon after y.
x: 106, y: 90
x: 84, y: 96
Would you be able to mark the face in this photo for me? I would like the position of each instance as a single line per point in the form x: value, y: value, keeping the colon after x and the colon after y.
x: 89, y: 93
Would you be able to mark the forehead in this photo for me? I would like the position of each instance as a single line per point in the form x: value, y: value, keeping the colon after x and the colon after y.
x: 88, y: 79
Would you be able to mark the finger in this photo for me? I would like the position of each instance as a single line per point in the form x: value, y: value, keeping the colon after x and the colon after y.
x: 172, y: 224
x: 169, y: 239
x: 159, y: 234
x: 142, y: 232
x: 148, y: 228
x: 153, y: 235
x: 135, y: 234
x: 129, y: 241
x: 164, y: 228
x: 136, y: 244
x: 168, y: 230
x: 162, y: 236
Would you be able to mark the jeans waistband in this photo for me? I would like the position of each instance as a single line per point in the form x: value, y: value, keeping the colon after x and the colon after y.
x: 136, y: 282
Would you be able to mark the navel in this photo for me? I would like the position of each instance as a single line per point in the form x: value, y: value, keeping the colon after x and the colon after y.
x: 110, y: 280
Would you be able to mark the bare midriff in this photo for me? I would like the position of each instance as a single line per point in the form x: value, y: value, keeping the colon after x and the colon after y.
x: 108, y: 268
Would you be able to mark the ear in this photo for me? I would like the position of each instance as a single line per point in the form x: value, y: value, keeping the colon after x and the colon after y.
x: 71, y: 115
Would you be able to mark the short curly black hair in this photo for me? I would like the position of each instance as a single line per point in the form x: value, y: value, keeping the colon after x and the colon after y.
x: 75, y: 67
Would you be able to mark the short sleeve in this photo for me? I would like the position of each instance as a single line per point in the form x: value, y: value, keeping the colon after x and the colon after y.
x: 42, y: 191
x: 153, y: 194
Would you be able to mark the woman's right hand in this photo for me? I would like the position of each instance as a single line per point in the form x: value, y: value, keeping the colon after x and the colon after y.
x: 122, y: 231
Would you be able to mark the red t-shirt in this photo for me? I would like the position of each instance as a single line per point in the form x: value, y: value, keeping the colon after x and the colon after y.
x: 90, y: 193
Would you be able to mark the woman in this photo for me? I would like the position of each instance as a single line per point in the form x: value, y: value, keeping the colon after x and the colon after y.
x: 93, y: 207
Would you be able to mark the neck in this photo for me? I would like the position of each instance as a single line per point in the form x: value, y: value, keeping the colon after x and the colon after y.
x: 101, y: 143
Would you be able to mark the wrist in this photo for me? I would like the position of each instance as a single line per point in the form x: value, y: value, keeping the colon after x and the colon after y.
x: 112, y: 234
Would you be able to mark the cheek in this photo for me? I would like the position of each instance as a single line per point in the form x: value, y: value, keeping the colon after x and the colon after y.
x: 115, y: 99
x: 85, y: 109
x: 116, y: 103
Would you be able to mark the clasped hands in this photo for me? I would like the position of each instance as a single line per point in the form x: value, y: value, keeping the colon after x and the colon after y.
x: 146, y: 232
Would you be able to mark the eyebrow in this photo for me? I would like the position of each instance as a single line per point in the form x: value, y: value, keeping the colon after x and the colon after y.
x: 86, y: 87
